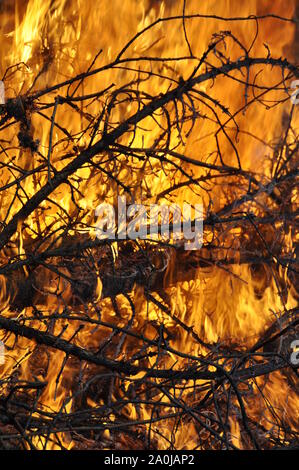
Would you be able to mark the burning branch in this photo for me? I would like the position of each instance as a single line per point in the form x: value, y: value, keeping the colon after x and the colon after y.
x: 106, y: 338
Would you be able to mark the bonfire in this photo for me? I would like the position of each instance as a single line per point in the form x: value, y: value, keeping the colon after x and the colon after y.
x: 149, y: 225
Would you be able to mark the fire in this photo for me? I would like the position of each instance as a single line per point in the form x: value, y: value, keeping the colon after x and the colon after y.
x: 46, y: 43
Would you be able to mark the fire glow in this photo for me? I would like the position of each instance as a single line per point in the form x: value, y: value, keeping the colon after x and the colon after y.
x: 128, y: 341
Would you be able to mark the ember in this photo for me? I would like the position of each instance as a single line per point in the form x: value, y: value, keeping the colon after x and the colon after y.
x: 138, y: 343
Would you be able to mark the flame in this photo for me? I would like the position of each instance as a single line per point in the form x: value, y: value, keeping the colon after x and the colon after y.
x: 53, y: 41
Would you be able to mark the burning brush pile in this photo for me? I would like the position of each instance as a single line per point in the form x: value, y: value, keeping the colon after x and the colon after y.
x: 147, y: 342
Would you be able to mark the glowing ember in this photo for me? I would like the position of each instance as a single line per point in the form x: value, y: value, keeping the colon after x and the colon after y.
x: 141, y: 344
